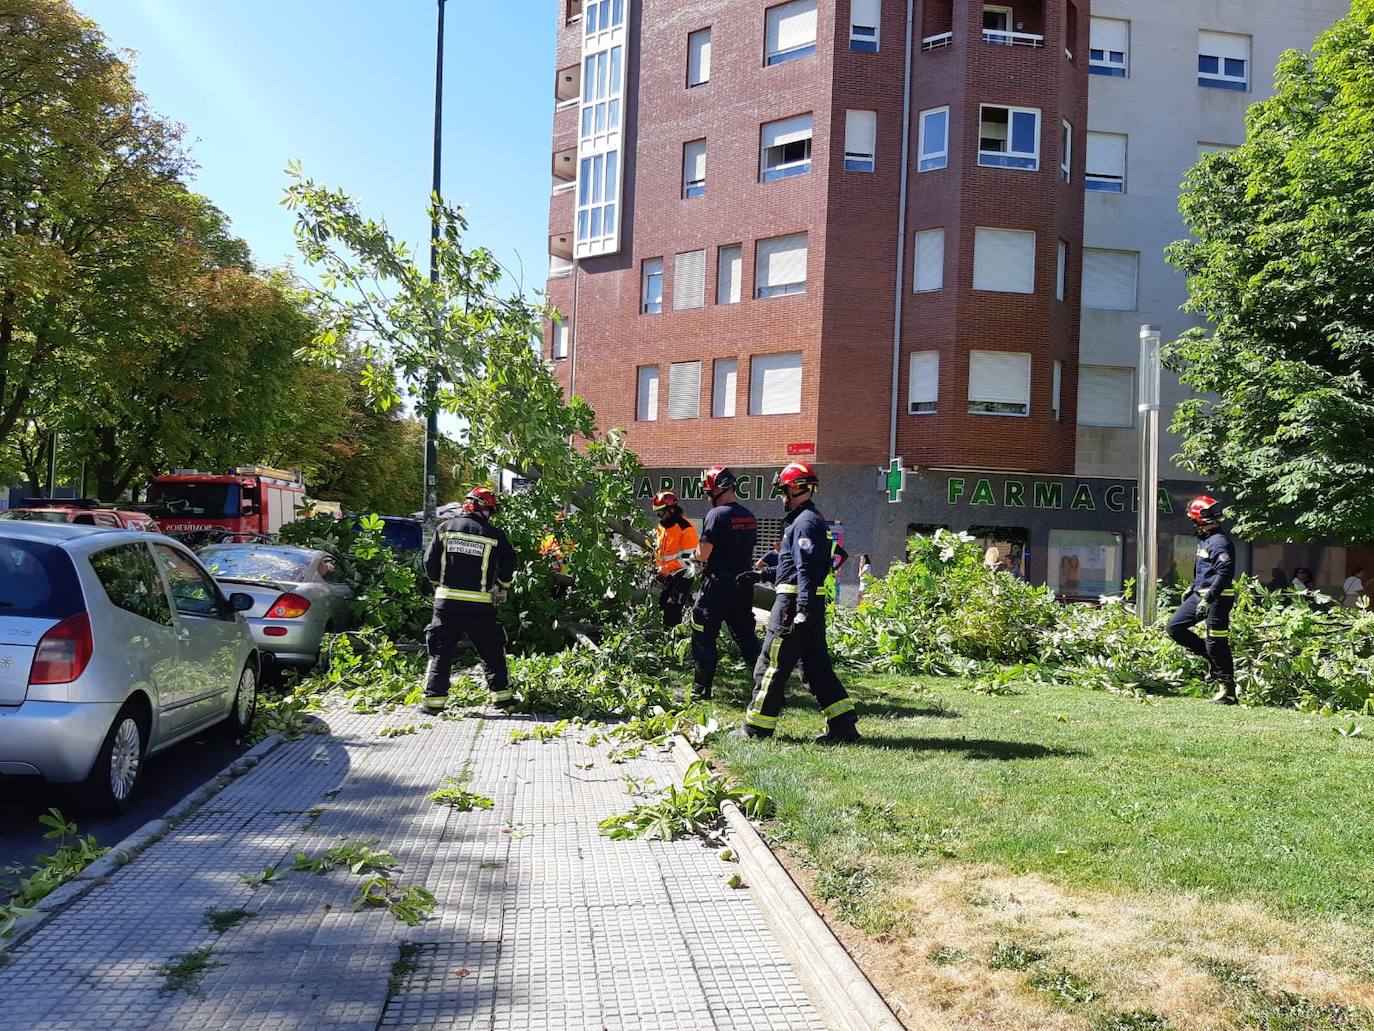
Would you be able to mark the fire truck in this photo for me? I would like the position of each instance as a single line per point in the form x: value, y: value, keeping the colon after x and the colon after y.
x: 248, y: 500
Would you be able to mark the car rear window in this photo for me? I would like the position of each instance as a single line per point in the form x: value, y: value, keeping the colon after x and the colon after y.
x: 35, y: 517
x: 37, y: 580
x: 255, y: 564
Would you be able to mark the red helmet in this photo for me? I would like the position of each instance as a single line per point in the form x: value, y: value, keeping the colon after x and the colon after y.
x: 1204, y: 509
x: 481, y: 499
x: 664, y: 499
x: 717, y: 480
x: 797, y: 475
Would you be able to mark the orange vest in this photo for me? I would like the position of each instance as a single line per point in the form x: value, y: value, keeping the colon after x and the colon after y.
x: 670, y: 540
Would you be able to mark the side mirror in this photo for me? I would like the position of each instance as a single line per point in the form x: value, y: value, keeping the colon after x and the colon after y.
x: 240, y: 602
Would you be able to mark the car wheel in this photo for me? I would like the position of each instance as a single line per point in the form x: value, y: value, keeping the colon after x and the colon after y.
x: 118, y: 768
x: 245, y: 706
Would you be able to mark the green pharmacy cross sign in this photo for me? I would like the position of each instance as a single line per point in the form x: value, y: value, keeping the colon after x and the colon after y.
x: 895, y: 482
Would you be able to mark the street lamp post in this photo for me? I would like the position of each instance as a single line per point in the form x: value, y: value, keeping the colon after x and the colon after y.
x: 431, y: 473
x: 1147, y: 527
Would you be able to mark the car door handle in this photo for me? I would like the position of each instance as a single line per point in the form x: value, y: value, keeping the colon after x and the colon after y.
x: 184, y: 635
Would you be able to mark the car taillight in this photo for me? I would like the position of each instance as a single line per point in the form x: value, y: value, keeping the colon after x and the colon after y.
x: 288, y: 606
x: 63, y: 652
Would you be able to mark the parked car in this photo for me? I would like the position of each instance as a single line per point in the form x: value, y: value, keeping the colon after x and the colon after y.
x: 299, y: 595
x: 82, y: 512
x: 401, y: 533
x: 113, y: 645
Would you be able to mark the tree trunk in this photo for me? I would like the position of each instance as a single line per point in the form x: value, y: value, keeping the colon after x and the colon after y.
x: 107, y: 465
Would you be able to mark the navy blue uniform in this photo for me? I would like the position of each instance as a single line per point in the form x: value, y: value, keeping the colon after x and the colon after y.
x: 1214, y: 577
x: 804, y: 563
x: 467, y: 558
x: 732, y: 532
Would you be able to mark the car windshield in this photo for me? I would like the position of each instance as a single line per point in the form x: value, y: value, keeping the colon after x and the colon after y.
x: 37, y: 580
x: 213, y: 500
x: 257, y: 563
x: 34, y: 517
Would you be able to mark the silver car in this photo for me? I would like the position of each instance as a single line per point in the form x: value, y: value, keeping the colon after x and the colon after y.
x: 299, y: 595
x: 113, y: 645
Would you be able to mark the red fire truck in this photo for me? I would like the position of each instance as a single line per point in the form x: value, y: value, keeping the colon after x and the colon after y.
x: 251, y: 499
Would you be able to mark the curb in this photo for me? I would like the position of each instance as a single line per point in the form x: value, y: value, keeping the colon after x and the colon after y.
x: 840, y: 991
x: 124, y: 852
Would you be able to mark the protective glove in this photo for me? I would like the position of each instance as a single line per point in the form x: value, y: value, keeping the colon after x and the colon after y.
x: 800, y: 618
x: 1203, y: 604
x: 498, y: 595
x: 748, y: 578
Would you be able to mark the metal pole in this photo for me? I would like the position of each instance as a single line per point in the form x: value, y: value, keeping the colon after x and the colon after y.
x: 431, y: 484
x: 1147, y: 527
x: 52, y: 467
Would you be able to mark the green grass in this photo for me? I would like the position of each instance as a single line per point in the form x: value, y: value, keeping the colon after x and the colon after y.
x: 1093, y: 789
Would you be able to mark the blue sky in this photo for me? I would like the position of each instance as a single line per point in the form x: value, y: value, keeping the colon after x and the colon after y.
x: 347, y: 87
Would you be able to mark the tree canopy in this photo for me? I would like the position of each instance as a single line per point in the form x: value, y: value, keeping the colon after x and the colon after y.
x: 1282, y: 264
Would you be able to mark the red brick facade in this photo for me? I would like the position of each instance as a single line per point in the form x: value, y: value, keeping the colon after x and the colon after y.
x: 843, y: 323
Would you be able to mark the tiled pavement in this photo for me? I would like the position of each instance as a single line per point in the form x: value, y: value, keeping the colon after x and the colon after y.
x: 541, y: 923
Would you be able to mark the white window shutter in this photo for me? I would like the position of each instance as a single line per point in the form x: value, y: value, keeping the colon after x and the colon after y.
x: 1106, y: 154
x: 724, y: 383
x: 1224, y: 44
x: 1059, y: 270
x: 689, y: 280
x: 930, y: 260
x: 1109, y: 279
x: 647, y: 403
x: 1106, y: 396
x: 694, y: 162
x: 684, y: 390
x: 1004, y: 260
x: 865, y: 12
x: 999, y: 377
x: 1057, y: 389
x: 775, y: 384
x: 560, y: 340
x: 1109, y: 34
x: 791, y: 26
x: 729, y: 271
x: 699, y: 57
x: 860, y: 133
x: 787, y: 130
x: 780, y: 261
x: 924, y: 385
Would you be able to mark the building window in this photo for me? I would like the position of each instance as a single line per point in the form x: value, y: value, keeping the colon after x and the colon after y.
x: 1060, y: 267
x: 689, y: 280
x: 865, y: 19
x: 934, y: 145
x: 1109, y: 42
x: 1223, y: 61
x: 780, y: 266
x: 1106, y: 396
x: 1066, y: 154
x: 729, y: 273
x: 601, y: 130
x: 646, y: 403
x: 684, y: 390
x: 998, y: 383
x: 930, y: 261
x: 725, y: 381
x: 651, y: 300
x: 1009, y: 137
x: 997, y: 24
x: 923, y: 390
x: 598, y: 184
x: 604, y: 15
x: 786, y: 148
x: 1203, y: 149
x: 694, y: 169
x: 1106, y: 171
x: 1084, y: 563
x: 789, y: 32
x: 1109, y: 279
x: 1004, y: 260
x: 574, y: 11
x: 699, y: 58
x: 775, y: 384
x: 560, y: 341
x: 1057, y: 391
x: 860, y: 140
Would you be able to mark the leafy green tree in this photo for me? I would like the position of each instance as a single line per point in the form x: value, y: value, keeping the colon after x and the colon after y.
x: 1282, y: 264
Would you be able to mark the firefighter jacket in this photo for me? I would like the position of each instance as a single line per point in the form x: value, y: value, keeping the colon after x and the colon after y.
x: 671, y: 540
x: 804, y: 560
x: 1214, y: 571
x: 467, y: 558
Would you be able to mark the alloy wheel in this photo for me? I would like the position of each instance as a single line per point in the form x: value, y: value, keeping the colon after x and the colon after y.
x: 248, y: 695
x: 125, y: 757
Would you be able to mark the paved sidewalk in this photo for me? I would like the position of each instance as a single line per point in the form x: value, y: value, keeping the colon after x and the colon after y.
x: 541, y: 923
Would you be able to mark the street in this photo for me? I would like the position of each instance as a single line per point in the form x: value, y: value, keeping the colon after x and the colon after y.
x: 168, y: 777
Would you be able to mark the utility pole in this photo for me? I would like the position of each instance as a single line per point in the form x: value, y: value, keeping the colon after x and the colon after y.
x: 1147, y: 526
x: 431, y: 395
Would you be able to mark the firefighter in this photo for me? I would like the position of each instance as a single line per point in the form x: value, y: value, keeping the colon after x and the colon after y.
x: 796, y: 626
x: 726, y: 549
x: 675, y: 537
x: 470, y: 562
x: 1210, y: 599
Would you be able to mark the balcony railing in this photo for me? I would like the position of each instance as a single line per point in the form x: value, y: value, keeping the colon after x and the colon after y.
x: 998, y: 37
x: 942, y: 39
x: 564, y: 105
x: 563, y: 187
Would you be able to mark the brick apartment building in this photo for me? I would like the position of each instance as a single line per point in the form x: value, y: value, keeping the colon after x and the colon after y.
x: 925, y: 231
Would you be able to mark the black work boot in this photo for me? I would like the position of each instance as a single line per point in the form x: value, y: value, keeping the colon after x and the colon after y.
x: 432, y: 704
x: 1226, y: 693
x: 841, y: 735
x: 701, y: 693
x: 746, y: 733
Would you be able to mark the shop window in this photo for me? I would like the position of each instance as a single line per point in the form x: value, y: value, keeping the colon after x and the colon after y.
x: 1011, y: 544
x: 1084, y: 563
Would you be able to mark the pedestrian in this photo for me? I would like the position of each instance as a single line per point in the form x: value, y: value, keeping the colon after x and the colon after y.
x: 796, y: 626
x: 471, y: 563
x: 674, y: 540
x: 832, y: 582
x: 865, y: 570
x: 726, y: 549
x: 1210, y: 599
x: 1354, y: 588
x: 1277, y: 581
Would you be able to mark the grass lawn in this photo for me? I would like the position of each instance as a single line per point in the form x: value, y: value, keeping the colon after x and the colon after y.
x: 1062, y: 858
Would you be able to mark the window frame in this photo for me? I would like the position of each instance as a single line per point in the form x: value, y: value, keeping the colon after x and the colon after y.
x: 152, y: 580
x: 165, y: 555
x: 942, y: 155
x: 647, y: 307
x: 686, y: 367
x: 762, y: 293
x: 911, y: 403
x: 722, y: 399
x: 754, y: 379
x: 1222, y: 78
x: 1100, y: 60
x: 690, y: 37
x: 916, y: 287
x: 1100, y: 182
x: 1066, y: 152
x: 788, y: 169
x: 991, y: 405
x: 692, y: 188
x: 854, y: 160
x: 1086, y: 371
x: 865, y: 39
x: 641, y: 407
x: 721, y: 251
x: 794, y: 54
x: 1010, y: 158
x: 1035, y: 245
